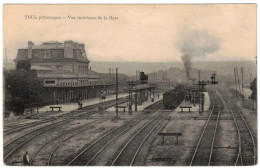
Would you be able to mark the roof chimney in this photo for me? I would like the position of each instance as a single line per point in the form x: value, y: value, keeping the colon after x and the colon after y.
x: 30, y: 45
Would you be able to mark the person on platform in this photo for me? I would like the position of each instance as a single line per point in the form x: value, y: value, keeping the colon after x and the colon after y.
x: 79, y: 104
x: 26, y: 160
x: 158, y: 95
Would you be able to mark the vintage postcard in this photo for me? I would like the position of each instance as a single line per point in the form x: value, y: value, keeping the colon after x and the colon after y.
x: 129, y: 85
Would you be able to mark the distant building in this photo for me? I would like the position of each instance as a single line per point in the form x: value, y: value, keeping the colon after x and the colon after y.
x: 64, y: 70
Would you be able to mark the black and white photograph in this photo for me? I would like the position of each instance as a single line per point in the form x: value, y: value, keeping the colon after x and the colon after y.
x: 129, y: 85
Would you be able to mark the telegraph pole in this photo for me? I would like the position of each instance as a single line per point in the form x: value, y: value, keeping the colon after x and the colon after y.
x: 130, y: 101
x: 135, y: 100
x: 238, y: 81
x: 132, y: 84
x: 199, y: 90
x: 109, y: 75
x: 116, y: 92
x: 242, y: 71
x: 113, y: 76
x: 235, y: 80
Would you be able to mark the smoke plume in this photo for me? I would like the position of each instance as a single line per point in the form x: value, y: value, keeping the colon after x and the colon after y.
x: 196, y: 44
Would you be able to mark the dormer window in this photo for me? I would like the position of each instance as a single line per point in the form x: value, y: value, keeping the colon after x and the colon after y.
x: 47, y: 54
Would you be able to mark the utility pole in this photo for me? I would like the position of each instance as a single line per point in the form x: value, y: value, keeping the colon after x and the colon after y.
x: 242, y: 71
x: 135, y: 100
x: 113, y: 76
x: 116, y: 92
x: 156, y: 77
x: 235, y: 80
x: 130, y: 101
x: 238, y: 81
x: 109, y: 75
x: 199, y: 90
x: 201, y: 95
x: 129, y: 96
x: 132, y: 84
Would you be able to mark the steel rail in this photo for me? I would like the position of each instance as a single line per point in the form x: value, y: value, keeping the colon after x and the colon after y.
x: 239, y: 155
x: 239, y: 138
x: 41, y: 128
x: 34, y: 136
x: 31, y: 133
x: 78, y: 114
x: 240, y: 114
x: 52, y: 153
x: 20, y: 145
x: 134, y: 137
x: 64, y: 133
x: 250, y: 132
x: 214, y: 136
x: 144, y: 141
x: 202, y: 134
x: 107, y: 145
x: 95, y: 143
x: 37, y: 129
x: 110, y: 132
x: 50, y: 156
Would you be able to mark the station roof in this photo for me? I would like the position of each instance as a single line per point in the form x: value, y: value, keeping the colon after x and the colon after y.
x: 144, y: 86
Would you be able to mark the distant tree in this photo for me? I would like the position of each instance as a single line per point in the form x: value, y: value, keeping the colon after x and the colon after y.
x: 23, y: 65
x: 24, y: 87
x: 253, y: 87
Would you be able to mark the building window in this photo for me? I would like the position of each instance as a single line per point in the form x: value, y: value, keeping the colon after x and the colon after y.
x: 47, y: 54
x: 49, y: 82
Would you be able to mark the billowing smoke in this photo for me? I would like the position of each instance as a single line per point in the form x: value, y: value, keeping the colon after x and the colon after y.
x: 196, y: 44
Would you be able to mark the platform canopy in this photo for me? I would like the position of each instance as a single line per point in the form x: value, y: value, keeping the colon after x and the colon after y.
x: 144, y: 87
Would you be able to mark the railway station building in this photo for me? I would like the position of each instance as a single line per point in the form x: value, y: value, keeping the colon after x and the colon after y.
x: 63, y: 69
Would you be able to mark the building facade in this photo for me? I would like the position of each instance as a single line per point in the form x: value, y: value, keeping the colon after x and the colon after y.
x: 63, y: 69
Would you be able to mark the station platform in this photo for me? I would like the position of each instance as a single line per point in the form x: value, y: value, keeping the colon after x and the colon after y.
x: 139, y: 107
x: 195, y: 108
x: 74, y: 106
x: 65, y: 107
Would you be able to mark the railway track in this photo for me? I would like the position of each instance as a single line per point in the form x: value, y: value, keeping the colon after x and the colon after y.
x: 17, y: 143
x: 247, y: 153
x: 127, y: 155
x: 202, y: 156
x: 11, y: 147
x: 91, y: 151
x: 18, y: 127
x: 247, y: 141
x: 65, y: 135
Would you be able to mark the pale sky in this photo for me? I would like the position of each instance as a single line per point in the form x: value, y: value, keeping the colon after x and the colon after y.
x: 143, y: 33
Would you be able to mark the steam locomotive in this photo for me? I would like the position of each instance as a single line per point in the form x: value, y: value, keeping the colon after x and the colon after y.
x: 174, y: 97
